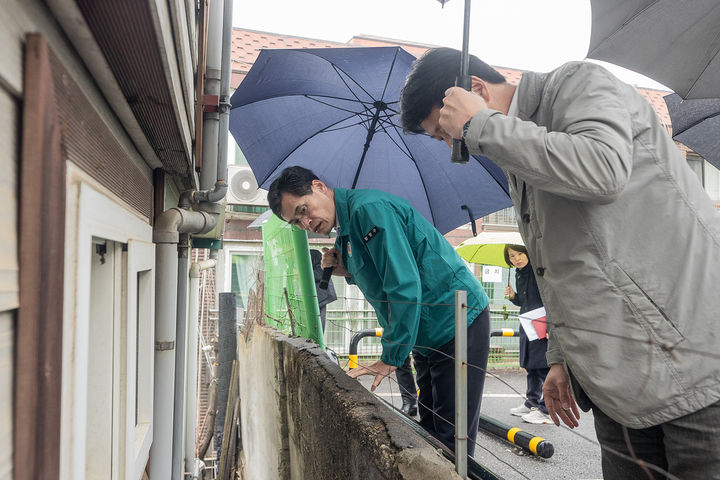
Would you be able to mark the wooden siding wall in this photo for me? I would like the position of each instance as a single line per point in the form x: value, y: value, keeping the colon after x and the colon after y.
x: 88, y: 143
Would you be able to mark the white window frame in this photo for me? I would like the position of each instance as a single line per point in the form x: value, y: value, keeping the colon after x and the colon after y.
x: 230, y: 249
x: 92, y: 211
x: 140, y: 367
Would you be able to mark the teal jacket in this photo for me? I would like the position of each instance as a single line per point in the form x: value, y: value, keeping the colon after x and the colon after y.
x: 406, y: 269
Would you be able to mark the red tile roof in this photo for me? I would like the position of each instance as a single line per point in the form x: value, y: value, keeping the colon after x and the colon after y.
x: 246, y: 46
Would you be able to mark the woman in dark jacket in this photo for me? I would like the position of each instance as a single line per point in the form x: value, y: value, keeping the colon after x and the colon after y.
x: 532, y: 353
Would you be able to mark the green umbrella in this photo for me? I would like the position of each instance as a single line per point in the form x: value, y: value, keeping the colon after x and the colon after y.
x: 488, y: 247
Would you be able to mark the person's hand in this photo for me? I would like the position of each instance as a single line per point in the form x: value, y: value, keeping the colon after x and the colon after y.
x: 509, y: 292
x: 559, y: 399
x: 380, y: 369
x: 459, y: 106
x: 332, y: 258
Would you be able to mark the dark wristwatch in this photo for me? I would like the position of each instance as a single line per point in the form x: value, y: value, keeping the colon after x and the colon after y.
x: 465, y: 128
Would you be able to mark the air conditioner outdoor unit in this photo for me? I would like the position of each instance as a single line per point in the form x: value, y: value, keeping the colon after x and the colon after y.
x: 243, y: 188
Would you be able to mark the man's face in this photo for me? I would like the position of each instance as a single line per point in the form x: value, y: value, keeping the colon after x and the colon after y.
x: 314, y: 212
x: 431, y: 125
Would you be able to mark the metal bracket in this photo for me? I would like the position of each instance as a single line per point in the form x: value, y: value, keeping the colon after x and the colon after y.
x: 162, y: 346
x: 211, y: 103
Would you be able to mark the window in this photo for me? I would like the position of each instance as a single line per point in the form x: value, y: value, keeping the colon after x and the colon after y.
x: 708, y: 174
x: 104, y: 351
x: 505, y: 217
x: 712, y: 181
x: 140, y: 355
x: 243, y: 274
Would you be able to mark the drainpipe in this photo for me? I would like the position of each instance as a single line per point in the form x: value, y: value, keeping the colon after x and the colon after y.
x: 196, y: 269
x: 213, y: 185
x: 180, y: 344
x: 197, y: 470
x: 166, y: 235
x: 225, y: 74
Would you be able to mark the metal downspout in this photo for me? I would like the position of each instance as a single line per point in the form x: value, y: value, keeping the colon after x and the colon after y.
x: 181, y: 328
x: 218, y: 83
x: 211, y: 119
x: 196, y: 269
x: 166, y: 234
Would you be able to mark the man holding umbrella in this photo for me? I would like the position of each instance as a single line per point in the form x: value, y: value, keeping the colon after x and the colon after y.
x: 604, y: 200
x: 409, y: 273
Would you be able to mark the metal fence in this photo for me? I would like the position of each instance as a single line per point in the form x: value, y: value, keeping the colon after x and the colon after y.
x: 342, y: 324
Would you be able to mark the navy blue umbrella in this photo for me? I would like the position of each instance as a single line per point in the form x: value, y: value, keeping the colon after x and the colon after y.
x: 696, y: 123
x: 335, y: 111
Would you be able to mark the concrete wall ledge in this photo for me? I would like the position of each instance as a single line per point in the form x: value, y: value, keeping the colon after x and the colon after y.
x: 303, y: 418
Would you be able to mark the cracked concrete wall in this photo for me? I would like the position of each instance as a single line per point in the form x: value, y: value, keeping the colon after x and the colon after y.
x: 303, y: 418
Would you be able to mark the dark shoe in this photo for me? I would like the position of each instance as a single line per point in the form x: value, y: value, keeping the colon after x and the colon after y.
x: 409, y: 409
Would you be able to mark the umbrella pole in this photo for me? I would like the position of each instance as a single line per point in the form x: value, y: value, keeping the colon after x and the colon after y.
x: 379, y: 107
x: 459, y: 149
x: 507, y: 297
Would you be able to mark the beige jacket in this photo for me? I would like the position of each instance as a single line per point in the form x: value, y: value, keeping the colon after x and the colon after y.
x: 625, y: 242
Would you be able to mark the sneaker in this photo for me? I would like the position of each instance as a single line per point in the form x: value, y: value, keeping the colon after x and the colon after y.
x: 536, y: 416
x: 408, y: 408
x: 519, y: 411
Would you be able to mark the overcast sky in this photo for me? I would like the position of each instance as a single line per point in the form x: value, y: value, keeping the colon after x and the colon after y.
x: 524, y: 34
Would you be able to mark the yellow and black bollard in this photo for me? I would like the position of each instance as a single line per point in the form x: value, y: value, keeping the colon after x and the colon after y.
x: 528, y: 442
x: 504, y: 332
x: 355, y: 340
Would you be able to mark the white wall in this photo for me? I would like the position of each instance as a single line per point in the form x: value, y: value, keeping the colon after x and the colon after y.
x: 6, y: 393
x: 9, y: 288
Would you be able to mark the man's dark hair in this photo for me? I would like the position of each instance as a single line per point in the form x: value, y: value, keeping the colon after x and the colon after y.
x: 293, y: 180
x: 429, y: 77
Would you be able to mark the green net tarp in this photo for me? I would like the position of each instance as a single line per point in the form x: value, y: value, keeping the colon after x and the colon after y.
x: 288, y: 269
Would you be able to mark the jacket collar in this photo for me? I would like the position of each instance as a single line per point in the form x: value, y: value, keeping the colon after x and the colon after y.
x: 530, y: 93
x: 342, y: 211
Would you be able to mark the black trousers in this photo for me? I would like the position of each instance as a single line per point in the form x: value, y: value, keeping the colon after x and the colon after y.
x: 436, y: 380
x: 406, y: 382
x: 687, y: 447
x: 323, y: 314
x: 535, y: 380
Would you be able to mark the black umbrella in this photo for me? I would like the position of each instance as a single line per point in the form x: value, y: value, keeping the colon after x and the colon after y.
x: 696, y: 124
x: 671, y: 41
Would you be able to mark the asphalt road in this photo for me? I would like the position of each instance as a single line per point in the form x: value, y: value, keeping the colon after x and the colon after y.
x: 577, y: 454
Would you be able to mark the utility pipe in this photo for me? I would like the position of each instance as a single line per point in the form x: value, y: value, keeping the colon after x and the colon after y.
x: 211, y: 116
x: 166, y: 263
x: 196, y: 269
x: 218, y: 85
x: 166, y: 234
x: 180, y: 352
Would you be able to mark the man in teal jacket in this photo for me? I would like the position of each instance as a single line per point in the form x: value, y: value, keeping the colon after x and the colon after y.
x: 409, y: 273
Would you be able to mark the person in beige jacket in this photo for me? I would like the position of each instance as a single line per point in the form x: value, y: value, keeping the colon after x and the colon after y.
x: 625, y: 245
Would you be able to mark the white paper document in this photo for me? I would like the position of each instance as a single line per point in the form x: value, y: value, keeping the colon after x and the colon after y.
x: 533, y: 322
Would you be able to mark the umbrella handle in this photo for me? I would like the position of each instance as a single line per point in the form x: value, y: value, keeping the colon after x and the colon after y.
x: 459, y: 149
x: 460, y: 152
x: 472, y: 219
